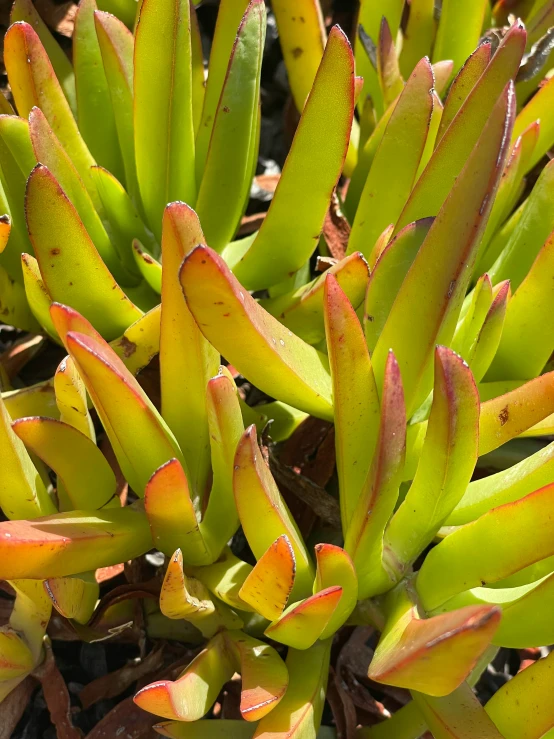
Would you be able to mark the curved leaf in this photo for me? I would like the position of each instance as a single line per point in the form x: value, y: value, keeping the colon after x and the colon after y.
x: 268, y: 587
x: 334, y: 567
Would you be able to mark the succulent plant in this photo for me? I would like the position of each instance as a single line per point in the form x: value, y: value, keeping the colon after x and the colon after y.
x: 420, y: 330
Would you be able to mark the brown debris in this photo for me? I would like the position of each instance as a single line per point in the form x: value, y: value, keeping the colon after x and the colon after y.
x: 56, y: 696
x: 14, y: 705
x: 336, y: 229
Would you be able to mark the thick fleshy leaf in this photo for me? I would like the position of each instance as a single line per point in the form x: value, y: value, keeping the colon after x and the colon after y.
x: 415, y: 326
x: 535, y: 110
x: 15, y: 304
x: 364, y: 538
x: 526, y: 342
x: 264, y: 675
x: 15, y: 656
x: 531, y: 231
x: 140, y: 438
x: 31, y: 614
x: 220, y: 729
x: 187, y: 360
x: 74, y: 597
x: 457, y: 564
x: 298, y: 715
x: 171, y: 514
x: 387, y: 277
x: 506, y: 486
x: 459, y: 715
x: 334, y: 567
x: 303, y: 623
x: 49, y: 152
x: 24, y: 10
x: 68, y: 543
x: 482, y: 351
x: 31, y: 400
x: 452, y: 42
x: 388, y: 70
x: 94, y: 105
x: 433, y: 655
x: 311, y: 171
x: 225, y: 577
x: 184, y: 597
x: 34, y: 83
x: 149, y: 267
x: 165, y: 162
x: 116, y: 48
x: 76, y: 275
x: 356, y: 424
x: 229, y: 16
x: 522, y: 708
x: 268, y: 586
x: 470, y: 324
x: 86, y: 475
x: 192, y: 695
x: 396, y: 161
x: 302, y: 310
x: 261, y: 348
x: 419, y: 34
x: 461, y: 136
x: 447, y: 460
x: 507, y: 416
x: 220, y: 520
x: 258, y: 499
x: 140, y: 343
x: 226, y: 180
x: 71, y: 398
x: 22, y: 492
x: 526, y: 612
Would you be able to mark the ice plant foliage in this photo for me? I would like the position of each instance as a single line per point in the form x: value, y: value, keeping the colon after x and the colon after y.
x: 417, y: 176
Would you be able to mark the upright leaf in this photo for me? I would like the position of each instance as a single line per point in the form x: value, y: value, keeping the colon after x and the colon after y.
x: 165, y: 162
x: 452, y: 42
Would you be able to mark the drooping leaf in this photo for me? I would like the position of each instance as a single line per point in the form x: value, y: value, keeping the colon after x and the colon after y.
x: 268, y: 586
x: 86, y: 475
x: 68, y: 543
x: 356, y: 424
x: 456, y: 564
x: 74, y: 597
x: 304, y: 622
x: 310, y: 173
x: 165, y: 162
x: 298, y: 715
x: 226, y: 180
x: 171, y: 514
x: 396, y: 161
x: 334, y: 567
x: 270, y: 355
x: 364, y: 538
x: 447, y: 460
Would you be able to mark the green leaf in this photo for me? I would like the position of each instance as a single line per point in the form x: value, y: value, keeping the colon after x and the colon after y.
x: 226, y: 180
x: 24, y: 10
x: 75, y: 274
x: 506, y: 486
x: 364, y: 537
x: 298, y: 715
x: 34, y: 84
x: 37, y: 294
x: 94, y: 105
x: 22, y: 492
x: 171, y: 514
x: 258, y: 499
x: 165, y: 162
x: 68, y: 543
x: 388, y: 70
x: 457, y: 564
x: 522, y: 708
x: 483, y: 350
x: 150, y: 268
x: 334, y: 567
x: 303, y: 623
x: 433, y: 655
x: 396, y: 161
x: 71, y: 398
x: 536, y: 110
x: 15, y: 656
x: 418, y: 37
x: 455, y: 147
x: 415, y: 326
x: 270, y: 355
x: 310, y: 174
x: 386, y: 279
x: 356, y: 424
x: 220, y: 729
x: 459, y: 30
x: 267, y: 588
x: 187, y: 360
x: 116, y: 46
x: 446, y: 464
x: 87, y: 478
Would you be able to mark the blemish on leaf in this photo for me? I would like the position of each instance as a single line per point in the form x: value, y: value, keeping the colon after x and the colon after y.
x: 297, y: 51
x: 504, y: 415
x: 128, y: 347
